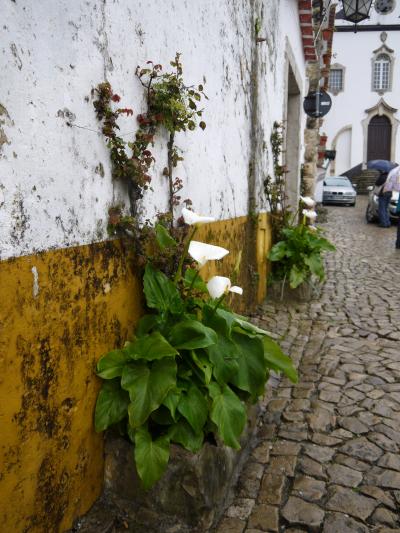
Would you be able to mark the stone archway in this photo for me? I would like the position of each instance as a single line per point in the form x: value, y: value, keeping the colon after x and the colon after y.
x: 381, y: 109
x: 342, y: 145
x: 379, y: 138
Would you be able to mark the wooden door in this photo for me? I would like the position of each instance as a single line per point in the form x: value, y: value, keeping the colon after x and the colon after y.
x: 379, y: 138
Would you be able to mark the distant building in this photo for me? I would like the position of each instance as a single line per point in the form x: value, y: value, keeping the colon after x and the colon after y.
x: 364, y: 84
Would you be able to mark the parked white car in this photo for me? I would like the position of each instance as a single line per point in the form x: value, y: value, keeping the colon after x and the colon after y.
x: 338, y: 190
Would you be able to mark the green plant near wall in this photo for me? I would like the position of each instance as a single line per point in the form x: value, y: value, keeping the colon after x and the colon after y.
x: 192, y: 365
x: 298, y: 256
x: 176, y: 107
x: 171, y: 105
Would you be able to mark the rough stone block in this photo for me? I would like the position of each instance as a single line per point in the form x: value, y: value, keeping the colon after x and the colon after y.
x: 195, y: 487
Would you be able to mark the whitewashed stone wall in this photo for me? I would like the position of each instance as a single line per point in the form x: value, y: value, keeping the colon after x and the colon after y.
x: 55, y: 183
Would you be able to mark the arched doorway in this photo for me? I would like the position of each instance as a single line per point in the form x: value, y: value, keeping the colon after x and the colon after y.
x: 379, y: 138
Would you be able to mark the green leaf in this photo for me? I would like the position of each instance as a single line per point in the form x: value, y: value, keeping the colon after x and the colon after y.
x: 183, y: 434
x: 147, y: 386
x: 112, y: 364
x: 249, y: 327
x: 252, y: 372
x: 111, y: 406
x: 163, y: 237
x: 297, y: 276
x: 224, y: 356
x: 193, y: 279
x: 202, y: 361
x: 172, y: 400
x: 160, y: 292
x: 278, y: 251
x: 314, y: 262
x: 220, y: 320
x: 151, y: 456
x: 194, y: 407
x: 228, y: 413
x: 146, y: 324
x: 191, y: 334
x: 151, y: 347
x: 277, y: 360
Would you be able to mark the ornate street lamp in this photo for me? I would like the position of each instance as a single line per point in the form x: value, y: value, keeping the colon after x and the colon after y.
x: 356, y: 10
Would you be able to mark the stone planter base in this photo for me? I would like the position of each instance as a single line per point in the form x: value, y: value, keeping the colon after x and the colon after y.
x: 303, y: 293
x: 195, y: 488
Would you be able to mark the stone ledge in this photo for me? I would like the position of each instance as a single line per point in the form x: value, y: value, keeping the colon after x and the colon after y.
x: 195, y: 489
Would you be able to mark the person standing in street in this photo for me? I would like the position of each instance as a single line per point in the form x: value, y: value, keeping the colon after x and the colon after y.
x: 398, y: 225
x: 393, y: 184
x: 384, y: 197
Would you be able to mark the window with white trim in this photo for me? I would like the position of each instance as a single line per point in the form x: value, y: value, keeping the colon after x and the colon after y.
x: 336, y: 80
x: 381, y: 73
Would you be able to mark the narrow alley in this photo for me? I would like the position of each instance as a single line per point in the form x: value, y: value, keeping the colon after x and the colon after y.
x: 327, y: 457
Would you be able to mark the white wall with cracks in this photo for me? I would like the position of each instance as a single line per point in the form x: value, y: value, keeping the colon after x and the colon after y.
x: 55, y: 179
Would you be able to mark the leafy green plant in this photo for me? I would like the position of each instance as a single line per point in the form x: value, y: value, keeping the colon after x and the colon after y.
x: 191, y: 366
x: 298, y: 256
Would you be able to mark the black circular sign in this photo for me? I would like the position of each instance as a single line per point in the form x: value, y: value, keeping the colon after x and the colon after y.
x: 317, y: 104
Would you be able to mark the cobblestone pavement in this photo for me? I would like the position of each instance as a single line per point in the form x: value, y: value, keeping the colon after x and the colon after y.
x: 327, y: 457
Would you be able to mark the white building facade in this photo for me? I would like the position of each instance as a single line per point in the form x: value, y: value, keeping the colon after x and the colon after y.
x: 365, y: 88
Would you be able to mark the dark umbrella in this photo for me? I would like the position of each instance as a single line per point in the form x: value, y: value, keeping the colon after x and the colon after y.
x: 383, y: 165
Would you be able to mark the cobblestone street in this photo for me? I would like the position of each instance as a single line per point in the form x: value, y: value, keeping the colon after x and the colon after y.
x: 327, y: 457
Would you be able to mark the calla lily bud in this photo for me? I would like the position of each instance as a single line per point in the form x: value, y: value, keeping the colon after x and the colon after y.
x: 308, y: 201
x: 236, y: 289
x: 219, y: 285
x: 202, y: 252
x: 192, y: 218
x: 310, y: 214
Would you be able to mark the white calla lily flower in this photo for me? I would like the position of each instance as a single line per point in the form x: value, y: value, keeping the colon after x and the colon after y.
x: 308, y: 201
x: 236, y: 289
x: 202, y: 252
x: 309, y: 213
x: 219, y: 285
x: 192, y: 218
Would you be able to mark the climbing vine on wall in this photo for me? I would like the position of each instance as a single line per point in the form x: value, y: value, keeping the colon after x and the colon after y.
x: 275, y: 186
x: 171, y: 105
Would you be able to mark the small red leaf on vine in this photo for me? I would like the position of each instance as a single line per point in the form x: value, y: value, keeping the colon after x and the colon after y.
x: 127, y: 110
x: 115, y: 98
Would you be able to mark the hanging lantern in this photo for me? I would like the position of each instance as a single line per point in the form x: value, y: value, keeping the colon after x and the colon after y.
x: 356, y: 10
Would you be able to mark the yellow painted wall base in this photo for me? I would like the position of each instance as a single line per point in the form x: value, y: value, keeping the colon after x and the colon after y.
x: 60, y: 311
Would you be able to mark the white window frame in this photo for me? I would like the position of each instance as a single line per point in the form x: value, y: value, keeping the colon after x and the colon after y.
x: 381, y: 79
x: 382, y: 57
x: 337, y: 66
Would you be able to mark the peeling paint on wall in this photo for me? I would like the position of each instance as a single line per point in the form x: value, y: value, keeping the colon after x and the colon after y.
x: 61, y: 310
x: 35, y: 287
x: 59, y: 51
